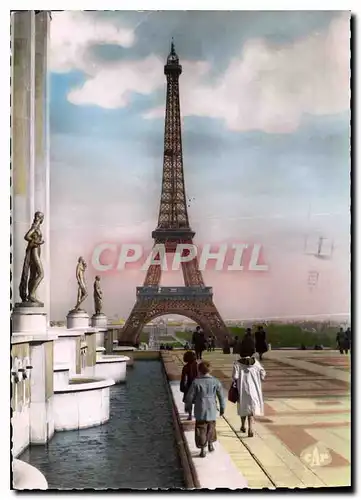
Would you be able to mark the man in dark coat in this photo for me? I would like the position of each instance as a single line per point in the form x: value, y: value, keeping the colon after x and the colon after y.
x: 261, y: 342
x: 199, y: 342
x: 348, y: 335
x: 226, y: 345
x: 343, y: 342
x: 236, y: 345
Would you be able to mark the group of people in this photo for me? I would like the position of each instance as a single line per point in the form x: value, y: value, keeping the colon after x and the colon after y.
x: 200, y: 343
x: 165, y: 347
x: 201, y: 390
x: 260, y: 341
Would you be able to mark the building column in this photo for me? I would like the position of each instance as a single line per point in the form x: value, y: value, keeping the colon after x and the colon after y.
x: 30, y: 140
x: 23, y: 90
x: 41, y: 140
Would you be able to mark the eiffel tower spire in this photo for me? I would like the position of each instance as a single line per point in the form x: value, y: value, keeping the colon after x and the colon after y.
x: 173, y: 213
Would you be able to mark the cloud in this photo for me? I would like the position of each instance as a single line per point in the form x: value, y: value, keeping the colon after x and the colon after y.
x: 72, y: 33
x: 111, y: 87
x: 267, y: 87
x: 270, y: 87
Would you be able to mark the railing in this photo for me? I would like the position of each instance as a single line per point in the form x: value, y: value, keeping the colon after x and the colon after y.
x: 169, y: 292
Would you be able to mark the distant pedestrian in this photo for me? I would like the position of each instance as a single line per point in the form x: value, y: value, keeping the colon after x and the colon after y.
x: 199, y: 342
x: 247, y: 374
x: 209, y: 344
x: 342, y: 341
x: 226, y: 345
x: 203, y: 393
x: 213, y: 343
x: 348, y: 335
x: 194, y: 336
x: 235, y: 345
x: 189, y: 373
x: 261, y: 342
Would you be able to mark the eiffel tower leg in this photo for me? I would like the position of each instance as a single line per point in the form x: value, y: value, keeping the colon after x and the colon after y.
x: 214, y: 320
x: 133, y: 326
x: 191, y: 274
x: 193, y: 277
x: 153, y: 276
x: 136, y: 320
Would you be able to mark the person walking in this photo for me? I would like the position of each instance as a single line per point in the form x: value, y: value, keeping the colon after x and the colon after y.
x: 226, y: 345
x: 209, y: 343
x: 194, y: 336
x: 348, y: 336
x: 199, y: 342
x: 261, y: 342
x: 235, y: 345
x: 247, y: 346
x: 248, y: 374
x: 189, y: 373
x: 342, y: 341
x: 203, y: 393
x: 213, y: 342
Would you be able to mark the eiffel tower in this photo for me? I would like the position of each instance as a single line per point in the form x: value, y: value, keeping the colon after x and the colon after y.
x: 194, y: 300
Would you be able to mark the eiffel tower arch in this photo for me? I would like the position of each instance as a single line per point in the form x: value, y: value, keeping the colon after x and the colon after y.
x: 193, y: 300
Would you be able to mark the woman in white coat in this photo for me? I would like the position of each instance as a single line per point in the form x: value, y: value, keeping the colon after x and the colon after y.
x: 248, y: 374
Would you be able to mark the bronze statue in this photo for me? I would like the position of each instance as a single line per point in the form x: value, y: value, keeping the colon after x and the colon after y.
x: 98, y: 296
x: 82, y: 291
x: 33, y: 273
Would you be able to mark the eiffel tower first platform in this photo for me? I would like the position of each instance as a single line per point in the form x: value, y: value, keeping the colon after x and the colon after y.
x: 194, y: 300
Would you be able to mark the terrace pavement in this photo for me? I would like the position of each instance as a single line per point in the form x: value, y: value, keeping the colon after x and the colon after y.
x: 304, y: 438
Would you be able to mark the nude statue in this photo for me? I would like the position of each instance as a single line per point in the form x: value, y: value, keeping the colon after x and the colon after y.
x: 33, y: 273
x: 98, y: 296
x: 82, y: 290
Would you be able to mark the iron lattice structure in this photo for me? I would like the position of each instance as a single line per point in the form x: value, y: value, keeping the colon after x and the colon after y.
x: 194, y: 300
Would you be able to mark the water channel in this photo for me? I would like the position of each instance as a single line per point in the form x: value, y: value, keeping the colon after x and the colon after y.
x: 135, y: 449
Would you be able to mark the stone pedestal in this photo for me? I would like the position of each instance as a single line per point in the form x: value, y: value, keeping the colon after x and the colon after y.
x: 20, y: 394
x: 91, y: 353
x: 99, y: 320
x: 41, y: 391
x: 77, y: 319
x: 112, y: 367
x: 67, y: 349
x: 100, y: 352
x: 100, y: 339
x: 27, y: 319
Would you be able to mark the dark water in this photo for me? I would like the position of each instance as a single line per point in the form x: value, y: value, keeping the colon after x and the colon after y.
x: 135, y: 449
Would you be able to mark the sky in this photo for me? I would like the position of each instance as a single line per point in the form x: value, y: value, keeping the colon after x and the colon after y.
x: 265, y: 116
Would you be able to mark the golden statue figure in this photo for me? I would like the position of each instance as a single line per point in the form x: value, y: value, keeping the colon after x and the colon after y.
x: 33, y: 273
x: 82, y: 291
x: 98, y: 296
